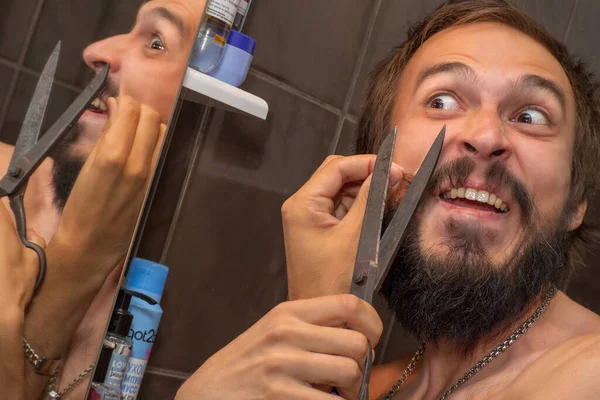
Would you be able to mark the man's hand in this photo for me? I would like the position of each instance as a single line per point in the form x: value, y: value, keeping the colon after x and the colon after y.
x: 298, y: 345
x: 322, y: 223
x: 19, y: 267
x: 101, y: 212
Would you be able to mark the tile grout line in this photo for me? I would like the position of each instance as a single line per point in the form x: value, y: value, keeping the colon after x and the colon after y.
x: 570, y: 24
x: 13, y: 84
x: 353, y: 81
x: 29, y: 71
x: 265, y: 76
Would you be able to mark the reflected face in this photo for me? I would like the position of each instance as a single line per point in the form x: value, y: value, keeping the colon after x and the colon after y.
x: 509, y: 110
x: 146, y: 63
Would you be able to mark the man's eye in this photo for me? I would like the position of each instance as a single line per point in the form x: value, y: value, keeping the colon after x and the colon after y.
x: 157, y: 44
x: 532, y: 117
x: 444, y: 102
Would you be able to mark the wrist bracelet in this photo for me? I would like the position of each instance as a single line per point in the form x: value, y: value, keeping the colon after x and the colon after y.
x: 42, y: 365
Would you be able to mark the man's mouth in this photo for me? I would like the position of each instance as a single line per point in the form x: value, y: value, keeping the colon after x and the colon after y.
x: 479, y: 199
x: 98, y: 106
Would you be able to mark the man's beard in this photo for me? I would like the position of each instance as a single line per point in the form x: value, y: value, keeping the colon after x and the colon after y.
x: 462, y: 296
x: 66, y: 167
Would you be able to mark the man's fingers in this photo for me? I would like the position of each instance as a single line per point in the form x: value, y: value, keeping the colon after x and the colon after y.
x: 321, y: 369
x: 341, y: 172
x: 327, y: 161
x: 144, y: 144
x: 118, y: 139
x: 329, y: 180
x: 339, y: 310
x: 159, y: 145
x: 336, y: 341
x: 291, y: 389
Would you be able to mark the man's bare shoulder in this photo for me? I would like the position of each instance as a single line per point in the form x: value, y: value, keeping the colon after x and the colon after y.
x: 569, y: 370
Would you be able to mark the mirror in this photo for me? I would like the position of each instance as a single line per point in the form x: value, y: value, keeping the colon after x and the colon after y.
x: 147, y: 45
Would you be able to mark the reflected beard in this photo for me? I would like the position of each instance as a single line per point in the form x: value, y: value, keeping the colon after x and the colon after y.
x: 462, y: 296
x: 66, y: 167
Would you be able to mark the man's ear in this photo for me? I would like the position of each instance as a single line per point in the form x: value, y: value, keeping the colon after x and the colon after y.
x: 577, y: 217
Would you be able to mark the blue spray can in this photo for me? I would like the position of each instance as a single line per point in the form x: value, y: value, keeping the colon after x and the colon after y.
x: 148, y: 278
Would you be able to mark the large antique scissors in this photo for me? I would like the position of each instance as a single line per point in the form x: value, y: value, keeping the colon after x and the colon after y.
x: 31, y: 149
x: 375, y: 253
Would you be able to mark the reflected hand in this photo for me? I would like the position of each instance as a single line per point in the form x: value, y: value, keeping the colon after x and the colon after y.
x: 101, y: 212
x: 291, y: 352
x: 322, y: 223
x: 19, y: 267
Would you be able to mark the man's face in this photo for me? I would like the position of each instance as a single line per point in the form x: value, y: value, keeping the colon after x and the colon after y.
x: 146, y: 63
x: 505, y: 100
x: 466, y: 267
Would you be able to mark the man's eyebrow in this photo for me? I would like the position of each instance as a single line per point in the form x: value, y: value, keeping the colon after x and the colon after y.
x: 166, y: 14
x: 456, y: 68
x: 531, y: 81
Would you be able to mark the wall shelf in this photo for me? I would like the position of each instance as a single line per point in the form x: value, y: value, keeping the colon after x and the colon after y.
x: 204, y: 89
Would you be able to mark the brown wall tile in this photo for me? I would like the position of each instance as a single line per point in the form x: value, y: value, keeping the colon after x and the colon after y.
x: 311, y: 45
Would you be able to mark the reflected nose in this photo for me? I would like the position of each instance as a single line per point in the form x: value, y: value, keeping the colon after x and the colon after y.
x: 107, y: 51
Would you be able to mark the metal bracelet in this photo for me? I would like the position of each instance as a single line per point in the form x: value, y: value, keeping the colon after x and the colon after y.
x: 41, y: 364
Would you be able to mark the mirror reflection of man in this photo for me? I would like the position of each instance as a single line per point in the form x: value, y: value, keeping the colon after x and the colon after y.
x: 146, y: 67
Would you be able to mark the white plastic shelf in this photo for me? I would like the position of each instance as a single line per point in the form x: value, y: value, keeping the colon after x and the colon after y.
x: 204, y: 89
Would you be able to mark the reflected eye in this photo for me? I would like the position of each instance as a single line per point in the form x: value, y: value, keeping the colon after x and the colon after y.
x: 157, y: 44
x: 531, y: 116
x: 444, y: 102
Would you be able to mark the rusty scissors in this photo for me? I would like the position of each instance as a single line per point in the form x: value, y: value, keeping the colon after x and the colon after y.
x: 30, y: 149
x: 375, y: 253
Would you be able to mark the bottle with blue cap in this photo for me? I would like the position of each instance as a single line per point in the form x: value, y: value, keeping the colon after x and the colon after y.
x: 236, y: 60
x: 148, y: 278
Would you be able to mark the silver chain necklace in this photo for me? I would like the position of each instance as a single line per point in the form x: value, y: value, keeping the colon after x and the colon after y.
x: 485, y: 360
x: 52, y: 383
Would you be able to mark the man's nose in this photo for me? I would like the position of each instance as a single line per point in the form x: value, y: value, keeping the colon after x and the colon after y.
x: 107, y: 51
x: 484, y: 137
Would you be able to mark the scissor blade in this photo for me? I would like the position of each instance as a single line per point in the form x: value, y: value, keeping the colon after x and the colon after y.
x: 395, y: 230
x: 32, y: 124
x: 28, y: 163
x: 370, y: 234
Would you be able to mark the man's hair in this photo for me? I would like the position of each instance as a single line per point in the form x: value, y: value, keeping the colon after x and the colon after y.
x: 375, y: 120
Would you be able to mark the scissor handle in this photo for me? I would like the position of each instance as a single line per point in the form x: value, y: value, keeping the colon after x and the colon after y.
x: 16, y: 204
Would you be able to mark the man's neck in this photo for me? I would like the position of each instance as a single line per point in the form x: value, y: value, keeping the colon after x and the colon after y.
x: 444, y: 363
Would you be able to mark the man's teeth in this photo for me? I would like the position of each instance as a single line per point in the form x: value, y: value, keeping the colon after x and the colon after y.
x: 99, y: 104
x: 476, y: 195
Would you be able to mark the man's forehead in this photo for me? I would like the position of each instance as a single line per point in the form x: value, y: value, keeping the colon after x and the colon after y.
x: 488, y: 46
x: 189, y: 11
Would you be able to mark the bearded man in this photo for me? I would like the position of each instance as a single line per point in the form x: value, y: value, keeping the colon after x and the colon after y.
x: 499, y: 229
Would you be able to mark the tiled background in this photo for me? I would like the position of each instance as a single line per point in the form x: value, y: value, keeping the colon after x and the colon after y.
x: 217, y: 223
